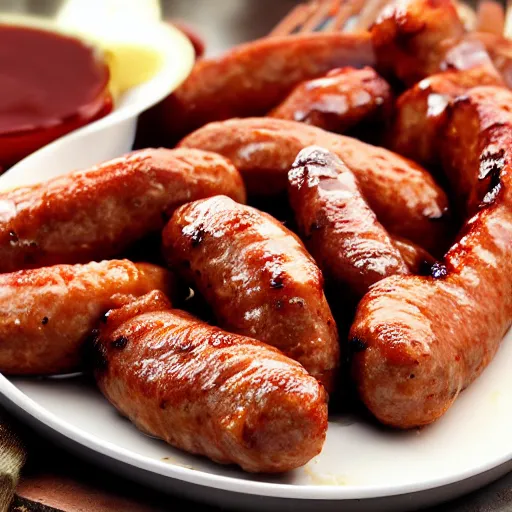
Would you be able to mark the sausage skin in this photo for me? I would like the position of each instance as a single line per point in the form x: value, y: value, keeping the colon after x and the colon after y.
x: 47, y: 313
x: 499, y: 49
x: 251, y: 79
x: 258, y: 278
x: 206, y: 391
x: 338, y: 101
x: 420, y: 111
x: 403, y: 195
x: 98, y: 213
x: 414, y: 39
x: 340, y: 230
x: 418, y: 341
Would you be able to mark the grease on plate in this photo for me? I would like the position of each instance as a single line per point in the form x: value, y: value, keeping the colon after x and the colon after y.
x: 324, y: 478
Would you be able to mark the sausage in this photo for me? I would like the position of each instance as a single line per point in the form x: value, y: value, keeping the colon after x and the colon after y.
x: 420, y: 111
x: 475, y: 172
x: 402, y: 194
x: 341, y: 231
x: 490, y: 17
x: 499, y: 49
x: 414, y: 39
x: 98, y: 213
x: 206, y: 391
x: 418, y: 341
x: 251, y: 79
x: 258, y: 278
x: 47, y: 313
x: 338, y: 101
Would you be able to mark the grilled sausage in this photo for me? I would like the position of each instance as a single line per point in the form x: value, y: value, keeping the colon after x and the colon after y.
x: 403, y: 195
x: 97, y: 213
x: 47, y: 313
x: 251, y: 79
x: 420, y: 111
x: 472, y: 160
x: 207, y: 391
x: 341, y: 232
x: 414, y: 39
x: 258, y: 278
x: 499, y: 49
x: 419, y: 341
x: 338, y: 101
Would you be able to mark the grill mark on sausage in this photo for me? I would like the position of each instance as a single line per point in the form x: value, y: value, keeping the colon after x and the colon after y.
x: 438, y: 271
x: 356, y: 344
x: 119, y: 343
x: 492, y: 162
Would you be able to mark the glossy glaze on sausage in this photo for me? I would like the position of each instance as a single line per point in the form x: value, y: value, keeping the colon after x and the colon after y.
x: 258, y: 278
x: 339, y: 101
x: 420, y: 112
x: 47, y: 313
x: 206, y: 391
x: 466, y: 148
x: 403, y: 195
x: 251, y: 79
x: 418, y: 341
x: 98, y: 213
x: 499, y: 49
x: 414, y: 39
x: 339, y: 229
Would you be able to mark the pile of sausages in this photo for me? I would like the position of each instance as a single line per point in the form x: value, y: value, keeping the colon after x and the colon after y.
x: 416, y: 260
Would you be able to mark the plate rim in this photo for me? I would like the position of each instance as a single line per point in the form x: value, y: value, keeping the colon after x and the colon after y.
x: 228, y: 483
x: 43, y: 416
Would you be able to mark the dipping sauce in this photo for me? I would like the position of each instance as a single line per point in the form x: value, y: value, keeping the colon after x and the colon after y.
x: 50, y: 84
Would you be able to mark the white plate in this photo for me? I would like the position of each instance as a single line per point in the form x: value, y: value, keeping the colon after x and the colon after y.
x: 362, y: 467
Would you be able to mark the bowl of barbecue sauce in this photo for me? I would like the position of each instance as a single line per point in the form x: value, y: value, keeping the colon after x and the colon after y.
x: 51, y: 83
x: 72, y: 86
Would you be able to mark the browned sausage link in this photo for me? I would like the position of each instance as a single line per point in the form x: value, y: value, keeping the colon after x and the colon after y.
x: 339, y: 101
x: 207, y: 391
x: 251, y: 79
x: 258, y: 278
x: 500, y: 51
x: 419, y: 341
x: 420, y: 112
x: 97, y: 213
x: 46, y: 313
x: 414, y: 39
x: 490, y: 17
x: 461, y: 152
x: 341, y: 232
x: 416, y: 258
x: 402, y: 194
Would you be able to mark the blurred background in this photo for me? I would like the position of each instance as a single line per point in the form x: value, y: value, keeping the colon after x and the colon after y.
x: 221, y: 23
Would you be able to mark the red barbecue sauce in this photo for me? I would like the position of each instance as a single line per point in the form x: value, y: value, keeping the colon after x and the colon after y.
x: 50, y: 84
